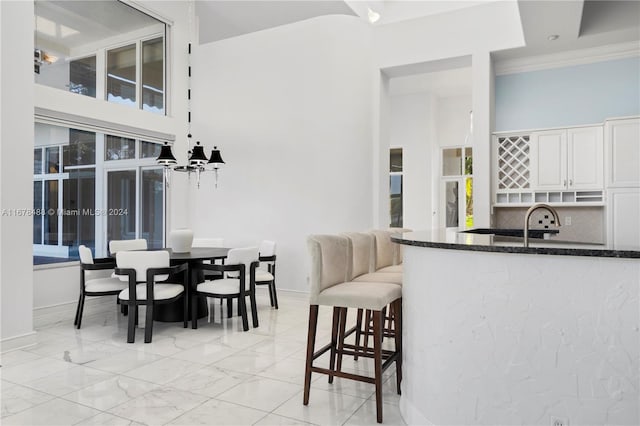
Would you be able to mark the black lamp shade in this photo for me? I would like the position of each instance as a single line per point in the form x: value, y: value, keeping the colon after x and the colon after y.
x: 216, y: 158
x: 197, y: 156
x: 166, y: 157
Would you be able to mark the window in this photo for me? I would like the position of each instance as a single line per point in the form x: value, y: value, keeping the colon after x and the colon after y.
x: 89, y: 199
x: 117, y: 54
x: 457, y: 188
x: 395, y: 187
x: 121, y: 75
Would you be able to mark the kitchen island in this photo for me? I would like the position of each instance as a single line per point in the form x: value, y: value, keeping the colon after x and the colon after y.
x: 496, y: 333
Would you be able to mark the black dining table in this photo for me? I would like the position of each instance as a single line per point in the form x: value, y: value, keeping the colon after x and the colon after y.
x: 172, y: 312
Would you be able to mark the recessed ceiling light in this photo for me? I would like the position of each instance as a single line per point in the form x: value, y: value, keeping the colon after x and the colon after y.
x: 372, y: 15
x: 553, y: 37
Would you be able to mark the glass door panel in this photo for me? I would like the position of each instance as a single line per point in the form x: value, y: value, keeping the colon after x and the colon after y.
x: 151, y: 207
x: 121, y: 205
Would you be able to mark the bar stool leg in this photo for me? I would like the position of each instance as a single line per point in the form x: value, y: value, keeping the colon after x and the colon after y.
x: 341, y: 333
x: 398, y: 341
x: 358, y: 332
x: 311, y: 342
x: 334, y: 341
x: 377, y: 361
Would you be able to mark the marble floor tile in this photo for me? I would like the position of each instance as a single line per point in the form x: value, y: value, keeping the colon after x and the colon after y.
x: 158, y: 406
x: 18, y: 398
x: 280, y: 348
x: 10, y: 359
x: 206, y: 353
x: 164, y: 370
x: 246, y: 361
x: 32, y: 370
x: 241, y: 340
x: 215, y: 412
x: 106, y: 419
x: 325, y: 408
x: 85, y: 354
x: 366, y: 415
x: 274, y: 420
x: 260, y: 393
x: 287, y: 370
x: 124, y: 361
x: 167, y: 346
x: 51, y: 413
x: 69, y: 380
x: 110, y: 393
x: 209, y: 381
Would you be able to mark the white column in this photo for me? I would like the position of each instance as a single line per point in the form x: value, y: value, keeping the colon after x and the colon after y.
x: 16, y: 173
x: 482, y: 105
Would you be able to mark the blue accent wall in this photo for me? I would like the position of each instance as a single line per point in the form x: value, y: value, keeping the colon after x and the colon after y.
x: 580, y: 94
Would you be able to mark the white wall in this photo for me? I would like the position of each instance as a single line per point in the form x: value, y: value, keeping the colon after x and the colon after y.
x: 290, y: 110
x: 16, y: 168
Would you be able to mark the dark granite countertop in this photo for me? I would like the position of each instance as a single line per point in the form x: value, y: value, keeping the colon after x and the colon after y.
x: 453, y: 240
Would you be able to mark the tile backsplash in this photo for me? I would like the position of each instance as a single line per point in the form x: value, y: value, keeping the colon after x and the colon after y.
x: 587, y: 223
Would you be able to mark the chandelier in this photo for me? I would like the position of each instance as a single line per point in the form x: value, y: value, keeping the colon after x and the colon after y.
x: 198, y: 161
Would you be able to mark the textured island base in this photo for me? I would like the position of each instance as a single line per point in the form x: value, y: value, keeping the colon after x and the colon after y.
x: 504, y: 338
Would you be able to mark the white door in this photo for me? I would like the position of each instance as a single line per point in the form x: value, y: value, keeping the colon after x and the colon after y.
x: 585, y: 155
x: 548, y: 160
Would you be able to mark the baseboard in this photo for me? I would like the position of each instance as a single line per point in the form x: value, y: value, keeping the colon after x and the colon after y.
x: 410, y: 414
x: 18, y: 342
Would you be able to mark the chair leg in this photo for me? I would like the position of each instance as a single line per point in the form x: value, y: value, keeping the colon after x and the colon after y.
x: 230, y: 308
x: 275, y: 295
x: 124, y: 309
x: 311, y: 343
x: 334, y: 341
x: 242, y: 307
x: 341, y: 332
x: 194, y: 310
x: 398, y: 341
x: 254, y: 308
x: 148, y: 323
x: 81, y: 311
x: 358, y: 332
x: 185, y: 310
x: 133, y: 318
x: 75, y: 321
x: 377, y: 361
x: 270, y: 293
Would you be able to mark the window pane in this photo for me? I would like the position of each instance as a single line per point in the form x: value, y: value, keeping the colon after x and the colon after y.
x: 151, y: 207
x: 153, y: 75
x: 53, y: 159
x: 37, y: 207
x: 149, y: 149
x: 37, y: 161
x: 121, y: 201
x: 468, y: 161
x: 395, y: 190
x: 82, y: 76
x: 81, y: 150
x: 451, y: 196
x: 78, y: 202
x: 396, y: 160
x: 452, y: 162
x: 119, y: 148
x: 121, y: 75
x: 51, y: 213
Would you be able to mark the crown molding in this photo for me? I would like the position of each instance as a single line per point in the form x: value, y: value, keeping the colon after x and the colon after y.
x: 569, y: 58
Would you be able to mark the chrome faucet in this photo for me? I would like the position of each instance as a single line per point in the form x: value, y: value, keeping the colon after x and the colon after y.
x: 528, y: 215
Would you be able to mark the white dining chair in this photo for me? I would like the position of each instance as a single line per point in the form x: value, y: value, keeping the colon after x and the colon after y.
x: 266, y: 272
x: 121, y: 245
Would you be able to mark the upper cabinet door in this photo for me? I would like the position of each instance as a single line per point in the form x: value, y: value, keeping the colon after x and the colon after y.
x: 585, y: 157
x: 623, y: 152
x: 549, y: 159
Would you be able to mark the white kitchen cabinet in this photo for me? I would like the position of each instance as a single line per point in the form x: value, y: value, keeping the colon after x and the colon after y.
x: 623, y: 218
x: 623, y: 152
x: 567, y: 159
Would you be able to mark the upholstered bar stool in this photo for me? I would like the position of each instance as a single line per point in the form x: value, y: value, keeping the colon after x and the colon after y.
x: 330, y: 286
x: 387, y: 254
x: 362, y: 248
